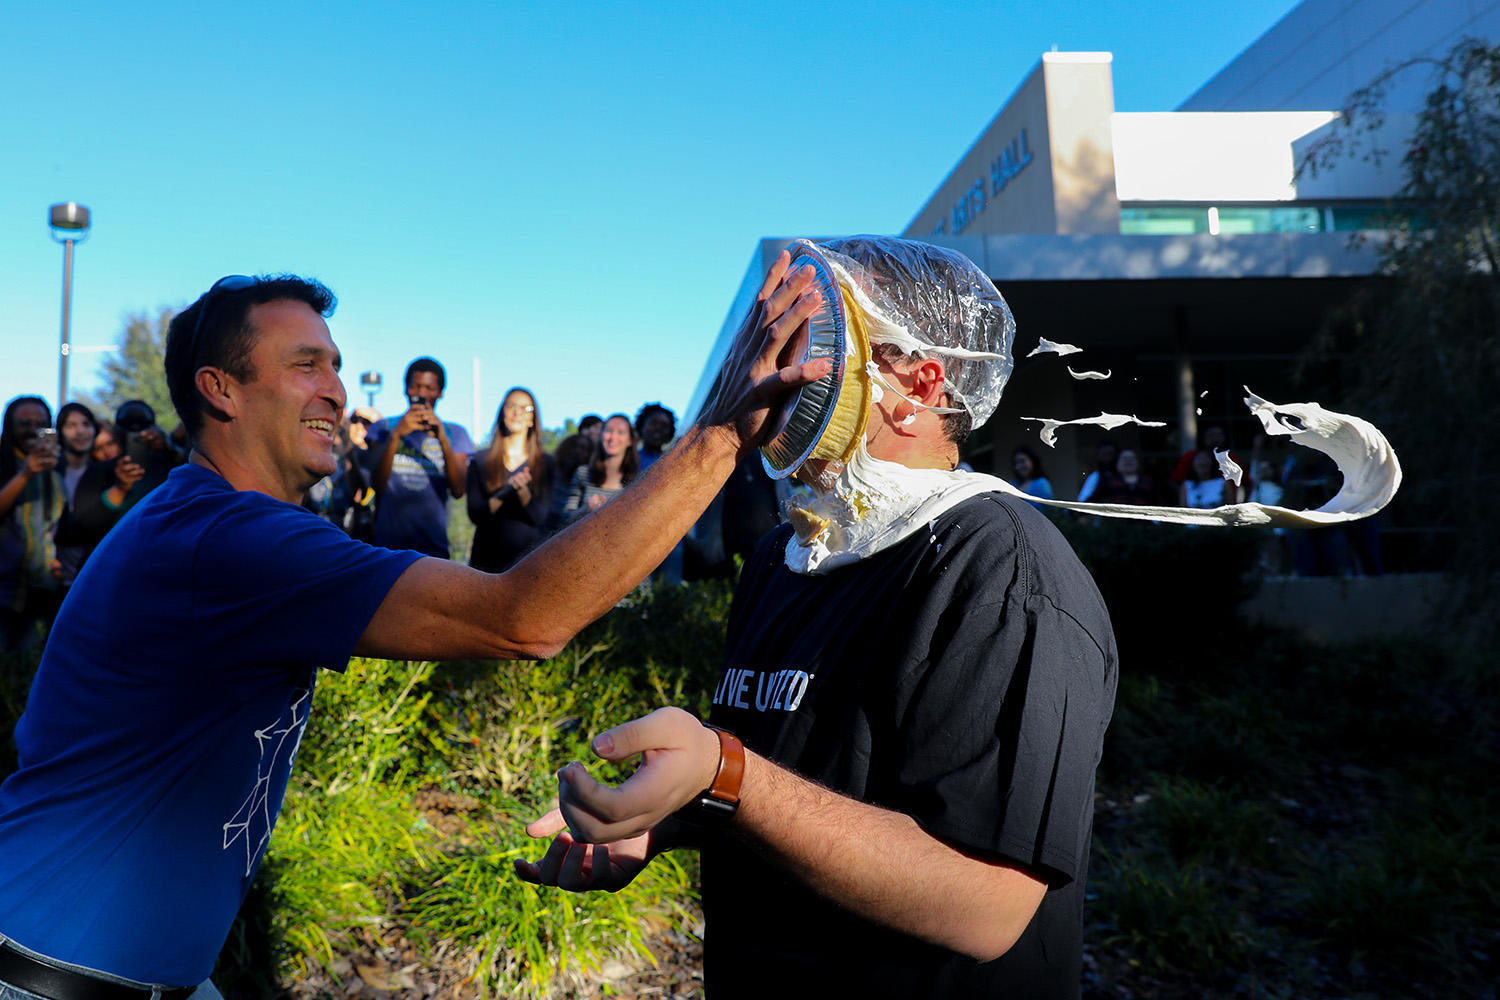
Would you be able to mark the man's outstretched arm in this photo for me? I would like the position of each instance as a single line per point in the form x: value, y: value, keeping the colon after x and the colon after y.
x: 440, y: 610
x: 874, y: 862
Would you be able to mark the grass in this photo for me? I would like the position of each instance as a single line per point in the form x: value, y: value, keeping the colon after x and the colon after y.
x: 1301, y: 821
x: 1282, y: 819
x: 413, y: 784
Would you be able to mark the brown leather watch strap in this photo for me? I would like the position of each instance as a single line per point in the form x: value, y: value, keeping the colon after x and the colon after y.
x: 726, y: 784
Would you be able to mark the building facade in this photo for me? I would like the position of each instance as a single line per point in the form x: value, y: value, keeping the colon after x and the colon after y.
x: 1183, y: 251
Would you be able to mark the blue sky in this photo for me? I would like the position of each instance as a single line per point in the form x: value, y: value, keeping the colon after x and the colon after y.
x: 569, y: 192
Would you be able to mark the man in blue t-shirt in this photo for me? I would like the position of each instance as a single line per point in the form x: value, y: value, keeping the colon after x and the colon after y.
x: 416, y: 465
x: 166, y: 713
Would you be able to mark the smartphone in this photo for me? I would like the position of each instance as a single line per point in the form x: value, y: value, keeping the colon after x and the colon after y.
x: 136, y: 448
x: 46, y: 439
x: 417, y: 401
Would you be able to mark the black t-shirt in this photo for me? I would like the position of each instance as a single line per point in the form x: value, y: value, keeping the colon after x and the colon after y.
x: 963, y: 677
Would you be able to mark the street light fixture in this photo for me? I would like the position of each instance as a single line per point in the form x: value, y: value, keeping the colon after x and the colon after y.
x: 70, y: 224
x: 370, y: 382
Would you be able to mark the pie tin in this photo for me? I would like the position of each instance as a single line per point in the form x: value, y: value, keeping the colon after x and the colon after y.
x: 803, y: 418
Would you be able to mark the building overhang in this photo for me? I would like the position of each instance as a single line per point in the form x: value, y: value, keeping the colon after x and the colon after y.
x: 1251, y: 294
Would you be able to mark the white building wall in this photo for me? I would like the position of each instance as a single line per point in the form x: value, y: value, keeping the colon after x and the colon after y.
x: 1176, y: 156
x: 1324, y: 50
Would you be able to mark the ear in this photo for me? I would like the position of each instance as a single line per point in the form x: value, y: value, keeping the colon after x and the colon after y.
x: 220, y: 390
x: 927, y: 382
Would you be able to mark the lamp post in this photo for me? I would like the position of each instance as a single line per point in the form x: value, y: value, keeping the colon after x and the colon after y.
x: 70, y: 224
x: 370, y: 383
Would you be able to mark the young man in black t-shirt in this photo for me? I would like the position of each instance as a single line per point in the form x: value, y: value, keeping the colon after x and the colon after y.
x: 920, y: 723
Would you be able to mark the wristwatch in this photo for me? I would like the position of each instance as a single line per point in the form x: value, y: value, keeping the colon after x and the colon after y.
x: 718, y: 802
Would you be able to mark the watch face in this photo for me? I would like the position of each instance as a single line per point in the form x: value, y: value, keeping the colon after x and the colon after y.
x: 706, y: 810
x: 797, y: 428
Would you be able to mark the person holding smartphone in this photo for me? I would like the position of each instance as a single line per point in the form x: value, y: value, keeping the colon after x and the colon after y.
x: 108, y: 489
x: 417, y: 463
x: 31, y: 501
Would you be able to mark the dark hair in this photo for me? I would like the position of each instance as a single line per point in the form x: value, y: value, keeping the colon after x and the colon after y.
x: 426, y: 365
x: 226, y: 337
x: 135, y: 415
x: 72, y: 408
x: 571, y: 452
x: 107, y: 426
x: 645, y: 414
x: 630, y: 462
x: 8, y: 443
x: 588, y: 421
x: 1036, y: 463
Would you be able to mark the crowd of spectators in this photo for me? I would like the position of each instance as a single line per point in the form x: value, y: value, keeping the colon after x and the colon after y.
x: 1301, y: 479
x: 65, y: 482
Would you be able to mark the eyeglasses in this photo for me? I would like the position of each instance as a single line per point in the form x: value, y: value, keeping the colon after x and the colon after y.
x: 229, y: 283
x: 518, y: 408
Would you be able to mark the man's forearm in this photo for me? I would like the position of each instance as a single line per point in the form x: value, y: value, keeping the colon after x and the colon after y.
x: 881, y: 865
x: 581, y: 572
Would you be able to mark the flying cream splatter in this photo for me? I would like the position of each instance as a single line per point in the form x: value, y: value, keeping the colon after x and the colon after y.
x: 1049, y: 346
x: 1109, y: 421
x: 1084, y: 375
x: 1229, y: 467
x: 871, y: 505
x: 1372, y: 474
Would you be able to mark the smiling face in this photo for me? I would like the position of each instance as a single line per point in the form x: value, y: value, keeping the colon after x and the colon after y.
x: 286, y: 419
x: 518, y: 413
x: 616, y: 437
x: 78, y: 433
x: 1128, y: 463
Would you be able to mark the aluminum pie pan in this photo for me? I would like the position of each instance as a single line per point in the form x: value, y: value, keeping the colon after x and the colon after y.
x: 803, y: 418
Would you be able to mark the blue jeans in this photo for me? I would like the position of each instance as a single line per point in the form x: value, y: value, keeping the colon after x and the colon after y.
x: 206, y: 991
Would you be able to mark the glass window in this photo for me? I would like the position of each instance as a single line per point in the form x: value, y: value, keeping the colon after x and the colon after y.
x: 1163, y: 220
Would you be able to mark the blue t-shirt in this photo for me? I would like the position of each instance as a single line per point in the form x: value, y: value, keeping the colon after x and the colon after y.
x: 160, y: 732
x: 412, y: 511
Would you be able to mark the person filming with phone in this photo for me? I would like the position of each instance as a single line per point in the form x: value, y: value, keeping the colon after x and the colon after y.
x: 417, y: 463
x: 108, y: 489
x: 31, y: 500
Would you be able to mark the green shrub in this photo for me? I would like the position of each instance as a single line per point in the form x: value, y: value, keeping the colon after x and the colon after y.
x: 1171, y: 919
x: 16, y: 672
x: 354, y: 852
x: 1198, y: 822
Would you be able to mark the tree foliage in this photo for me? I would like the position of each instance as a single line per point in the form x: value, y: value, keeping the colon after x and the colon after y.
x: 1422, y: 347
x: 137, y: 370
